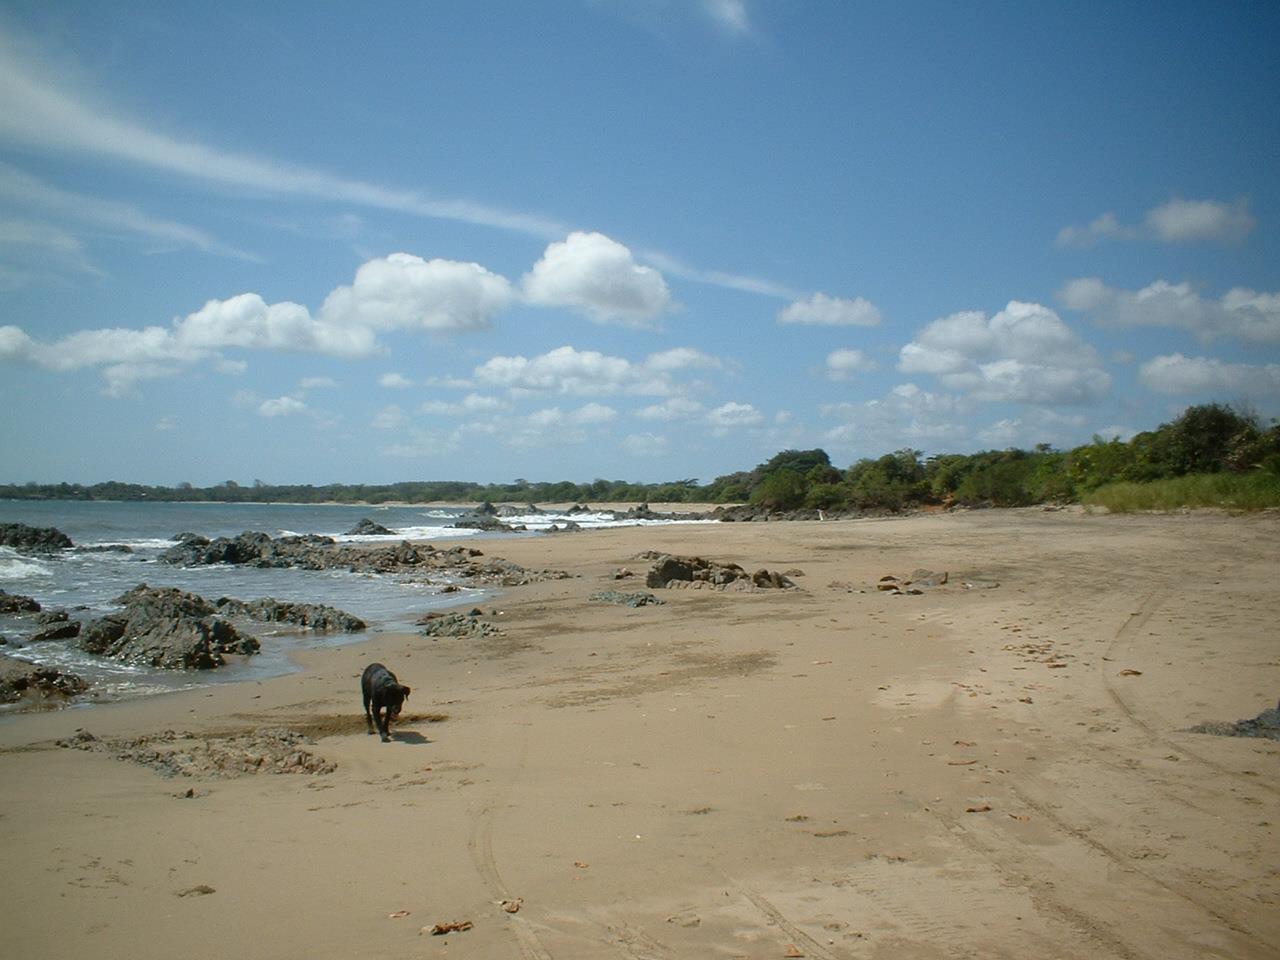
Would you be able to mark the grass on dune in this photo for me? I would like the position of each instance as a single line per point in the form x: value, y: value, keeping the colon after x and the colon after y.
x: 1256, y: 490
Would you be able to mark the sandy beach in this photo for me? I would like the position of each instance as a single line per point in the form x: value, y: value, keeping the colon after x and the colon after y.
x: 997, y: 766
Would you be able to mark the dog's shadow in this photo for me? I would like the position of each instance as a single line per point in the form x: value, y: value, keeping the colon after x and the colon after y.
x: 409, y: 736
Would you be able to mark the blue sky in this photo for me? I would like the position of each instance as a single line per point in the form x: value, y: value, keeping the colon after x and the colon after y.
x: 629, y: 239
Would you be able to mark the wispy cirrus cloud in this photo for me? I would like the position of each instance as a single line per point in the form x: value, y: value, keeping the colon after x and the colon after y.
x: 20, y: 188
x: 39, y: 111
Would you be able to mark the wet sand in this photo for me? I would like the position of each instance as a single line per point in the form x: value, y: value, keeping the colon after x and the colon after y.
x: 998, y: 770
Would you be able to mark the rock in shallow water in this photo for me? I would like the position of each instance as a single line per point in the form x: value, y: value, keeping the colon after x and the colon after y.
x: 168, y: 628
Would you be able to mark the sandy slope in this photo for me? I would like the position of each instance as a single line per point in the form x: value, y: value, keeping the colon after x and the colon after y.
x: 725, y: 775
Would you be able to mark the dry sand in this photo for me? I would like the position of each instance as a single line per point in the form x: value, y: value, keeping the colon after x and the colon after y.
x: 829, y: 771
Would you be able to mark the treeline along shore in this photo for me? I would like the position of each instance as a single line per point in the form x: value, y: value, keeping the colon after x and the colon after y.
x: 1213, y: 454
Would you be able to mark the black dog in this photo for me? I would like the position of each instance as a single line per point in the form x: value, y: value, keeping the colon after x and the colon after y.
x: 380, y: 688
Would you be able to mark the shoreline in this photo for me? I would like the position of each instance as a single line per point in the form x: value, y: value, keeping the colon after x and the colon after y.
x: 603, y: 764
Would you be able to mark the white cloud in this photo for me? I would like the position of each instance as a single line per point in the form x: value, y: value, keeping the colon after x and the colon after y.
x: 403, y: 291
x: 729, y: 14
x: 1104, y: 227
x: 1181, y: 376
x: 844, y: 363
x: 390, y: 417
x: 15, y: 344
x: 671, y: 409
x: 680, y: 358
x: 396, y: 292
x: 645, y: 444
x: 1175, y: 221
x: 549, y: 426
x: 246, y: 321
x: 823, y: 310
x: 470, y: 405
x: 281, y: 407
x: 734, y: 416
x: 1241, y: 313
x: 1024, y: 353
x: 394, y: 381
x: 907, y: 415
x: 1037, y: 426
x: 598, y: 277
x: 568, y: 370
x: 317, y: 383
x: 1180, y: 221
x: 594, y: 413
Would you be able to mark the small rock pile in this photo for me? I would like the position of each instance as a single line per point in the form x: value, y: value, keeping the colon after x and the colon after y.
x: 640, y: 599
x: 20, y: 680
x: 265, y: 750
x: 467, y: 625
x: 672, y: 572
x: 913, y: 585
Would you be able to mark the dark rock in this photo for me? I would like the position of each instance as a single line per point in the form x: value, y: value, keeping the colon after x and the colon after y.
x: 640, y: 599
x: 1265, y: 725
x: 322, y: 553
x: 106, y: 548
x: 517, y: 510
x: 313, y: 616
x: 165, y: 627
x: 668, y: 571
x: 19, y: 680
x: 27, y: 539
x: 56, y: 625
x: 569, y: 526
x: 16, y: 603
x: 368, y: 528
x: 486, y: 524
x: 457, y: 625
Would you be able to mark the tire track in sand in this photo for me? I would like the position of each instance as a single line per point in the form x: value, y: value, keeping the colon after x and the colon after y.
x: 1136, y: 621
x: 810, y: 946
x: 1083, y: 835
x: 480, y: 846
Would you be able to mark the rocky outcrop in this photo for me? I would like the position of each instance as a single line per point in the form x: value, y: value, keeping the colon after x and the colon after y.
x: 486, y: 524
x: 468, y: 625
x: 16, y: 603
x: 20, y: 680
x: 55, y: 625
x: 517, y: 510
x: 640, y: 599
x: 669, y: 571
x: 368, y: 528
x: 27, y: 539
x: 323, y: 553
x: 167, y: 628
x: 568, y: 526
x: 313, y: 616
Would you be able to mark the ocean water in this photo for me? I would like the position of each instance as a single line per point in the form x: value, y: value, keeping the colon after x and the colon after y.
x: 85, y: 582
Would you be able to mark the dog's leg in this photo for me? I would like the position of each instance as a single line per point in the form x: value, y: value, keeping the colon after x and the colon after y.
x: 384, y: 723
x: 368, y: 718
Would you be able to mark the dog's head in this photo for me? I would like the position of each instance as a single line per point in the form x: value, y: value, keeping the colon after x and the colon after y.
x: 399, y: 693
